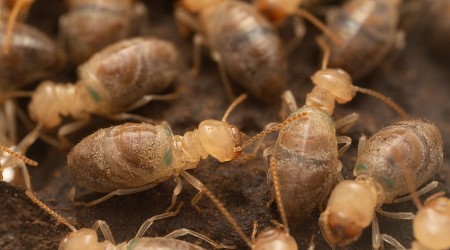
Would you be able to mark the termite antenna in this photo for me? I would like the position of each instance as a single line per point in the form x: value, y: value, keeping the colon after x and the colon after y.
x: 50, y: 211
x: 320, y: 25
x: 273, y: 128
x: 18, y: 6
x: 19, y: 156
x: 276, y: 185
x: 227, y: 215
x: 384, y: 99
x: 325, y: 50
x: 233, y: 105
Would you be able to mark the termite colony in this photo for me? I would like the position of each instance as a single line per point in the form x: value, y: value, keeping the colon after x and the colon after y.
x: 122, y: 102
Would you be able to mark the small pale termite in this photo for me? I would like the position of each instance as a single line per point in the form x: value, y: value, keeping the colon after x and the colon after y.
x: 134, y: 157
x: 91, y: 25
x: 242, y: 42
x: 306, y: 151
x: 414, y: 145
x: 87, y: 239
x: 368, y: 30
x: 121, y: 77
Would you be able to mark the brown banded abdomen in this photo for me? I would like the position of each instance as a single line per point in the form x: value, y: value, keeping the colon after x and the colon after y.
x: 413, y: 145
x: 249, y: 46
x: 124, y: 72
x: 33, y: 56
x: 368, y: 29
x: 125, y: 156
x: 307, y: 162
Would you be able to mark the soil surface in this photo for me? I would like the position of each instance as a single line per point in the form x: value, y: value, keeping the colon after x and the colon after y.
x: 416, y: 78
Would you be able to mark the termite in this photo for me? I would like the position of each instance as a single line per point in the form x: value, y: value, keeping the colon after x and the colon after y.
x: 306, y: 152
x: 134, y: 157
x: 415, y: 145
x: 368, y: 30
x: 121, y: 77
x: 242, y: 42
x: 91, y: 25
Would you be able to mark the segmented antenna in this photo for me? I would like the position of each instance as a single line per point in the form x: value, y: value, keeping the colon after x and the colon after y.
x: 276, y: 185
x: 320, y: 25
x: 227, y: 215
x: 233, y: 105
x: 384, y: 99
x: 50, y: 211
x: 19, y: 156
x: 273, y: 128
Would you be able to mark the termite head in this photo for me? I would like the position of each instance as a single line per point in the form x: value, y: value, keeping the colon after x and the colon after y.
x: 274, y: 239
x: 276, y: 10
x: 350, y: 209
x: 196, y: 6
x: 432, y: 224
x: 219, y: 139
x: 337, y: 82
x: 84, y: 238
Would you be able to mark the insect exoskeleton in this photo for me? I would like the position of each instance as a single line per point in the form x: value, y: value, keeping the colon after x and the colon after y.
x: 414, y: 146
x: 244, y: 44
x: 112, y: 81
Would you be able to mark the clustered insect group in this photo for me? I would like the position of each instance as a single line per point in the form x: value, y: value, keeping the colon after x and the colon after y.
x: 119, y: 71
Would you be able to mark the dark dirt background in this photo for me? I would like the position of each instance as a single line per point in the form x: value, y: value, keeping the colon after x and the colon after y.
x: 416, y: 79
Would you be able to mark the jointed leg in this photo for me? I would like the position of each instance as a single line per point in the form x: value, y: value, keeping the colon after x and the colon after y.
x: 146, y: 225
x: 176, y: 192
x: 343, y: 124
x: 347, y: 141
x: 183, y: 231
x: 429, y: 187
x: 223, y: 75
x: 393, y: 242
x: 197, y: 184
x: 119, y: 192
x: 288, y: 104
x: 104, y: 228
x: 376, y: 238
x: 397, y: 215
x: 148, y: 98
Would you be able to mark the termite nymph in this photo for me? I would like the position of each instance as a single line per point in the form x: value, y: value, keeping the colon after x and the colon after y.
x: 415, y: 145
x: 306, y: 151
x: 91, y: 25
x: 134, y: 157
x: 368, y: 30
x: 243, y: 43
x: 121, y: 77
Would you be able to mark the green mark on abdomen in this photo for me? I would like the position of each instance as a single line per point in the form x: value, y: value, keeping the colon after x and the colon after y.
x: 94, y: 94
